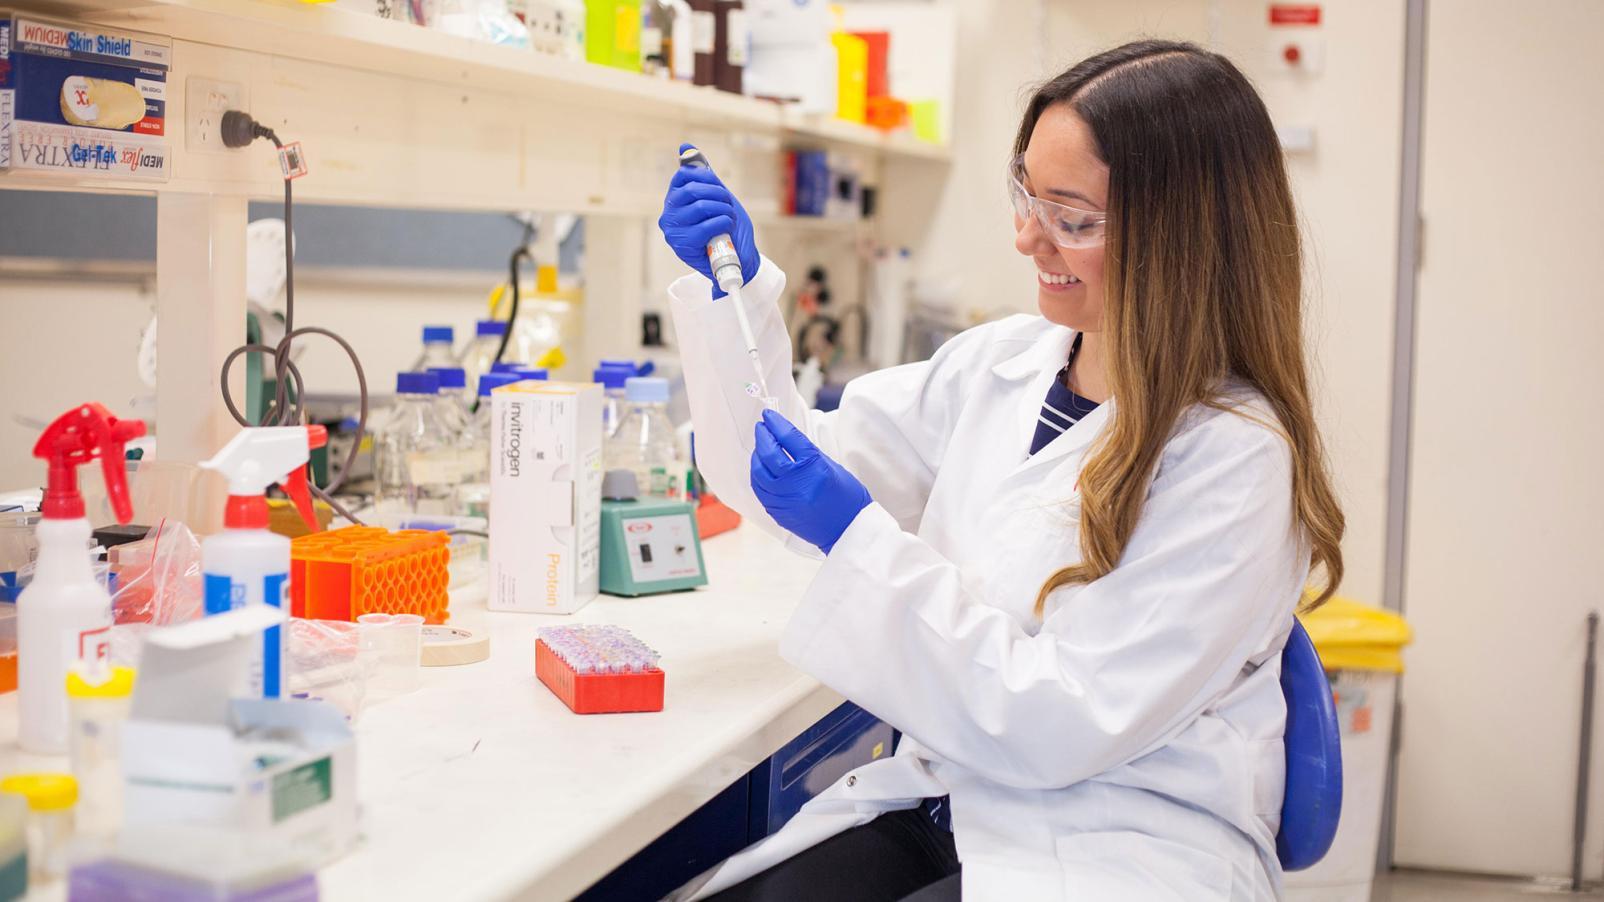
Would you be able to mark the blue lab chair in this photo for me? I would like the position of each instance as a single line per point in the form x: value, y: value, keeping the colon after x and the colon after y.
x: 1313, y: 800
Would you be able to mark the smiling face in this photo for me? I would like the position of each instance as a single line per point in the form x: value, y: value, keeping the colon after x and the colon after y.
x: 1062, y: 165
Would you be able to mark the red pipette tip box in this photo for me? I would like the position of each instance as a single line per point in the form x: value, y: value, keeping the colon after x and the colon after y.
x: 598, y: 693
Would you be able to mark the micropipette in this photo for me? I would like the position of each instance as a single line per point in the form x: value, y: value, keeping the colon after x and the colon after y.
x: 726, y: 266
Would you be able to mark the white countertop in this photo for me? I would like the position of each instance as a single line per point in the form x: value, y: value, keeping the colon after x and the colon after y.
x: 483, y: 785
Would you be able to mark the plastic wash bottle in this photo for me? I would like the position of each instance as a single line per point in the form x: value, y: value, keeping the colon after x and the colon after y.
x: 64, y: 615
x: 247, y: 564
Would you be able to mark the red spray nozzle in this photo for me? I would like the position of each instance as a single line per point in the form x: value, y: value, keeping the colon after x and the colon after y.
x: 76, y: 438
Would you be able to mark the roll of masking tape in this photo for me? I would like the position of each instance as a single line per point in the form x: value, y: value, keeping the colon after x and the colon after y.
x: 448, y: 646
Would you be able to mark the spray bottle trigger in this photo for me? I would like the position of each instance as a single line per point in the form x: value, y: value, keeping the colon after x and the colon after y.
x: 113, y: 461
x: 296, y: 486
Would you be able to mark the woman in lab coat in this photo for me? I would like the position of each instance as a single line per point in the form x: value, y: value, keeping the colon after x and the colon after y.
x: 1063, y: 555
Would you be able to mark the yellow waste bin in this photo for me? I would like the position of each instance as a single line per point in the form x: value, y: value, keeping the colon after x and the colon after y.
x: 1362, y: 650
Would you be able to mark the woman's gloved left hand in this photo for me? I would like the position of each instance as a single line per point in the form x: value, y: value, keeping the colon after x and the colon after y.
x: 805, y: 491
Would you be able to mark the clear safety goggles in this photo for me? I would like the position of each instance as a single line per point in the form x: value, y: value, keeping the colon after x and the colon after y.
x: 1067, y: 226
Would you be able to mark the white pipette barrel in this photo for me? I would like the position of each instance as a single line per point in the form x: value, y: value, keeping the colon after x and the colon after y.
x: 726, y: 265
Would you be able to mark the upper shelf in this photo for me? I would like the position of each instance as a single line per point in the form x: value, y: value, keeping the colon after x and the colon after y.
x: 326, y: 35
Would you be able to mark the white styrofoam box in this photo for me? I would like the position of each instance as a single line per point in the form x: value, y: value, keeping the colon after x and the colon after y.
x: 545, y: 496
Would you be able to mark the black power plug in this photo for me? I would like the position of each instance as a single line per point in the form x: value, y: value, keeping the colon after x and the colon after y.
x: 238, y: 129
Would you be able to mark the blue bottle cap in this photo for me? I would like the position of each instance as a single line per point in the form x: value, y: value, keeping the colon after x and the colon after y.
x: 491, y: 381
x: 613, y: 363
x: 417, y: 384
x: 610, y: 378
x: 531, y: 372
x: 433, y: 334
x: 646, y: 389
x: 505, y: 367
x: 450, y: 376
x: 490, y: 327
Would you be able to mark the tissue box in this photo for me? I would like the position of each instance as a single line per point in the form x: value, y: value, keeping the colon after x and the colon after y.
x: 194, y: 753
x: 545, y: 496
x: 82, y: 100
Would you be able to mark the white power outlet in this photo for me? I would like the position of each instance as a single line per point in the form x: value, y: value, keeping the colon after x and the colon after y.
x: 205, y: 102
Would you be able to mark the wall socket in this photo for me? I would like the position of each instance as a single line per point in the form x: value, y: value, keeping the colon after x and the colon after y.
x: 205, y: 102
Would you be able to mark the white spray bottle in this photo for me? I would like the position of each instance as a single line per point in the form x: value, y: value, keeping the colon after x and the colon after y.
x: 64, y: 615
x: 247, y: 564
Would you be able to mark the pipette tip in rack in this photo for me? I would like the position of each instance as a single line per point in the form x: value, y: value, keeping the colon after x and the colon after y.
x: 599, y: 669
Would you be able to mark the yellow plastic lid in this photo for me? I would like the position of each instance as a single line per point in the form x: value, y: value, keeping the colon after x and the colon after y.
x: 44, y: 792
x: 119, y: 683
x: 1353, y: 636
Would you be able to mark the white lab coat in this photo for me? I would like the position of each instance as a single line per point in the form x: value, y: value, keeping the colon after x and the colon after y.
x: 1126, y: 748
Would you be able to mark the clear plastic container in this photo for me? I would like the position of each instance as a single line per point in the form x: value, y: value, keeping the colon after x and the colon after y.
x: 482, y: 351
x: 612, y: 379
x: 394, y: 644
x: 437, y: 352
x: 644, y: 439
x: 415, y: 457
x: 474, y: 493
x: 51, y: 798
x: 97, y: 708
x: 194, y: 863
x: 8, y: 647
x: 455, y: 398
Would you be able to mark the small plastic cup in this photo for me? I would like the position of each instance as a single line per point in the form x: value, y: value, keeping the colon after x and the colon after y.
x: 395, y: 644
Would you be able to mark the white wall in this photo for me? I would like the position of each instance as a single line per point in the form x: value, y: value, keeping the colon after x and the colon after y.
x: 1505, y: 493
x: 92, y: 336
x: 1347, y: 192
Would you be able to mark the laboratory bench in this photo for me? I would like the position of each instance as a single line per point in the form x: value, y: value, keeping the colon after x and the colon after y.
x: 481, y: 784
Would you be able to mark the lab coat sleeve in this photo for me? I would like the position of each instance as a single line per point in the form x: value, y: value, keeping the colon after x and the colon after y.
x: 890, y: 430
x: 1120, y: 665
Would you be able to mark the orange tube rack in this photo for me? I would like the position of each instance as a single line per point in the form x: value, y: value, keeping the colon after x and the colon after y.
x: 345, y: 573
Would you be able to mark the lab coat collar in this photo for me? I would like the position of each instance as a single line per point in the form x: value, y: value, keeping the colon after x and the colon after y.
x: 1048, y: 352
x: 1037, y: 365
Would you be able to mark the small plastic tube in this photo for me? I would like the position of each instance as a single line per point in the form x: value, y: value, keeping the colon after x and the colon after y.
x: 97, y: 707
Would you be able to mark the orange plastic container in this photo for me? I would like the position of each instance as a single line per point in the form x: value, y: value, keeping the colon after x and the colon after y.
x: 345, y: 573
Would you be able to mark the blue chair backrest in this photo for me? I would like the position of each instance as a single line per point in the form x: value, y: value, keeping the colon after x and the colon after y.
x: 1313, y: 800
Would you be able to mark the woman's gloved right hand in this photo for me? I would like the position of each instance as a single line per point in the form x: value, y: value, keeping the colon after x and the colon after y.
x: 699, y: 208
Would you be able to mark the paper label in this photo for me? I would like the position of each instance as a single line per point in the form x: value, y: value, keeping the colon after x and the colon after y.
x: 225, y: 594
x: 739, y: 37
x: 661, y: 548
x: 704, y: 31
x: 92, y: 646
x: 303, y: 788
x: 5, y: 127
x: 291, y: 161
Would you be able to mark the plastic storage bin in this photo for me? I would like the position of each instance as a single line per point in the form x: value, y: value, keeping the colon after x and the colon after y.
x: 1361, y: 648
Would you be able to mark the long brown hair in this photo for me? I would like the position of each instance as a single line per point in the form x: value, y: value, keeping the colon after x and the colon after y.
x: 1204, y: 282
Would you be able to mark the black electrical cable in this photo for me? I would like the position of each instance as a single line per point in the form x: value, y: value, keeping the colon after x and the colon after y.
x: 519, y: 254
x: 238, y: 130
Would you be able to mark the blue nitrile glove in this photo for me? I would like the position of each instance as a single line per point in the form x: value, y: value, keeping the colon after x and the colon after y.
x: 699, y: 208
x: 805, y: 491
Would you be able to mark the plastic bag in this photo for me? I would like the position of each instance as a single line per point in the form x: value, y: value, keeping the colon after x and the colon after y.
x: 485, y: 20
x: 326, y: 662
x: 158, y: 578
